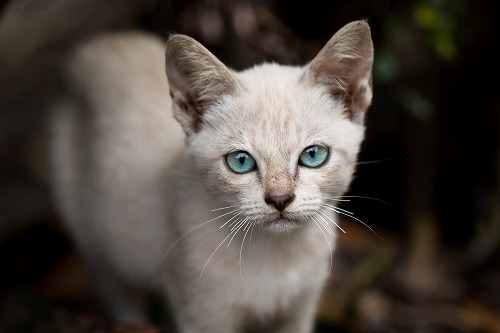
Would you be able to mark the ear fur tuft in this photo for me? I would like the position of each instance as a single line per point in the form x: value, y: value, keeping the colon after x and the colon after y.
x: 197, y: 80
x: 344, y: 66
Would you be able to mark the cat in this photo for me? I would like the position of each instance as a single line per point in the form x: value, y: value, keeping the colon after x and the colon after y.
x: 213, y: 187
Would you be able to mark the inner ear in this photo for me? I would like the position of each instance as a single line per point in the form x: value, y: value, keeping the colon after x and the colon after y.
x: 344, y: 67
x: 197, y: 80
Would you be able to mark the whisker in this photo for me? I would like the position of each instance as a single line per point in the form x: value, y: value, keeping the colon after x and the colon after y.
x: 332, y: 199
x: 247, y: 226
x: 218, y: 246
x: 222, y: 208
x: 329, y: 218
x: 340, y: 209
x: 297, y: 239
x: 231, y: 226
x: 329, y: 246
x: 193, y: 229
x: 377, y: 161
x: 325, y: 225
x: 240, y: 225
x: 341, y: 198
x: 241, y: 248
x: 344, y: 210
x: 251, y: 232
x: 235, y: 215
x: 335, y: 209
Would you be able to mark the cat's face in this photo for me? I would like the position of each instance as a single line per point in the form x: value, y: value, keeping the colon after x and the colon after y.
x: 278, y: 148
x: 275, y: 142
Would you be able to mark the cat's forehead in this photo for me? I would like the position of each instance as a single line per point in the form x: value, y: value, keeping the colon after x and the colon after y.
x: 275, y: 114
x: 277, y: 103
x: 269, y: 77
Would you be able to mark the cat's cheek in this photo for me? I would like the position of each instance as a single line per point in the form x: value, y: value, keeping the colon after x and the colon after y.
x: 339, y: 180
x: 232, y: 188
x: 330, y: 180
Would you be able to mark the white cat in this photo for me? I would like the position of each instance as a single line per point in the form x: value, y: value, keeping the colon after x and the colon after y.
x: 230, y: 213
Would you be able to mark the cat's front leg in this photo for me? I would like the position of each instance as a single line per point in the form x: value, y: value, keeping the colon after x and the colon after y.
x: 205, y: 317
x: 206, y: 325
x: 124, y: 302
x: 301, y: 317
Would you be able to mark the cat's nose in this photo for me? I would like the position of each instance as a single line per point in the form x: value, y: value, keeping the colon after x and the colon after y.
x: 279, y: 201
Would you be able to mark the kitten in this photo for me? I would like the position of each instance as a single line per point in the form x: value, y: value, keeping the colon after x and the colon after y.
x: 228, y: 208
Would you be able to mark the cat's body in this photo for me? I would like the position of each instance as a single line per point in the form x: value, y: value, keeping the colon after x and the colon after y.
x: 154, y: 209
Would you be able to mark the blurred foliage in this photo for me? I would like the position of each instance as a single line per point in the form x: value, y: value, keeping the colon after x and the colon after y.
x: 440, y: 20
x: 434, y: 28
x: 386, y: 67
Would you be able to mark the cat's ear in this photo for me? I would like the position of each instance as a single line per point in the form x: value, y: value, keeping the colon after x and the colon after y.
x: 344, y: 66
x: 197, y: 80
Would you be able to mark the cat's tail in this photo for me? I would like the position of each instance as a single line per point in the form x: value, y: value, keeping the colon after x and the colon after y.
x: 63, y: 158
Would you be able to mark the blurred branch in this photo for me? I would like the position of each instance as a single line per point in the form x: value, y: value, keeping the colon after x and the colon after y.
x: 262, y: 30
x: 486, y: 241
x: 35, y: 35
x: 336, y: 304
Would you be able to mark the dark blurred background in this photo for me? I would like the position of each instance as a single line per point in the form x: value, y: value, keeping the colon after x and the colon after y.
x: 428, y: 180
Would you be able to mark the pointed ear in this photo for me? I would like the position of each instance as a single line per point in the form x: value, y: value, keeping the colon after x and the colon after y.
x: 344, y: 66
x: 197, y: 80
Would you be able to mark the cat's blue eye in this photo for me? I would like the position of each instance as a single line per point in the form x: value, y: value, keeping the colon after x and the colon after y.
x: 240, y: 162
x: 313, y: 156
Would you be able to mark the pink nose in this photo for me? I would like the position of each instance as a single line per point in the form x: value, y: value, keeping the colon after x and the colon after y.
x: 279, y: 201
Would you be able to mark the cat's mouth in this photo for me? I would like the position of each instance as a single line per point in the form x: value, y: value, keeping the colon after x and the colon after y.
x: 282, y: 223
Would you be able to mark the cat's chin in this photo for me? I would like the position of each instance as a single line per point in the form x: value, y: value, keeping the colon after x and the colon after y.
x: 282, y: 224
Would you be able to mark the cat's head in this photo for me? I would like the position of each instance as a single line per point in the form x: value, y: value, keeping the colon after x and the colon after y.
x: 275, y: 141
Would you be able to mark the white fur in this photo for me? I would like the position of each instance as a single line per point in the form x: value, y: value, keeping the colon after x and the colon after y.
x: 136, y: 198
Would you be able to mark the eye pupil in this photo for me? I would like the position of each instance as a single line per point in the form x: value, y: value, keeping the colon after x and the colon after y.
x: 240, y: 162
x: 313, y: 156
